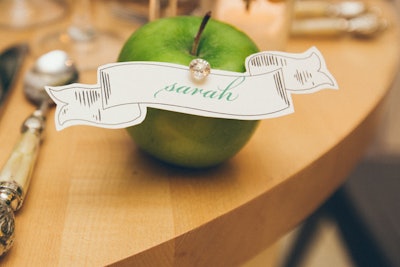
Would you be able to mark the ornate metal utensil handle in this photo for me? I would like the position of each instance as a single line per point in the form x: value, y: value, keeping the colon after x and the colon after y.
x: 16, y: 175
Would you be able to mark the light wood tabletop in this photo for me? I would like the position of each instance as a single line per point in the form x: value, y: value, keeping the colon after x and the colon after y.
x: 96, y: 200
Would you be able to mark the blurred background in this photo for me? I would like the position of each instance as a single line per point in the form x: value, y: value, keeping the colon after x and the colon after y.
x: 360, y: 225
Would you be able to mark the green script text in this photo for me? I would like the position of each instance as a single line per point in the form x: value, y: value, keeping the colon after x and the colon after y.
x: 219, y: 94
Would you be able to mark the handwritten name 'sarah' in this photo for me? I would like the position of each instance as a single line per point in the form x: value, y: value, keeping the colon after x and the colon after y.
x: 219, y: 94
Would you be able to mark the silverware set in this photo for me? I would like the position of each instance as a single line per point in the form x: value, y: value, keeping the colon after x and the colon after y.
x: 53, y: 68
x: 333, y: 19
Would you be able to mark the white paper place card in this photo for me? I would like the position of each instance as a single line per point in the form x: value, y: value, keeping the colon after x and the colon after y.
x: 125, y: 90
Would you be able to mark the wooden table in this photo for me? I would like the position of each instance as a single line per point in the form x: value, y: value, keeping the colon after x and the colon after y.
x: 96, y: 200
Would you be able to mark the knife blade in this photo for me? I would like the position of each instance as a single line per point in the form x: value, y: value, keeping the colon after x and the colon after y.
x: 11, y: 60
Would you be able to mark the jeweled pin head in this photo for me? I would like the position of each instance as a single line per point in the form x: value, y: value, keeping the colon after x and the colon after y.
x: 199, y: 69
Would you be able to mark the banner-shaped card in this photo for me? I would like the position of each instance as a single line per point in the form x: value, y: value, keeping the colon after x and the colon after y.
x: 126, y: 89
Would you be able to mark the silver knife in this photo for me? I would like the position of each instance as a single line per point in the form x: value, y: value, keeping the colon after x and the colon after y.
x: 11, y: 60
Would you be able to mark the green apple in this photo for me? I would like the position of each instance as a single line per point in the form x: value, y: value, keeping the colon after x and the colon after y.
x: 183, y: 139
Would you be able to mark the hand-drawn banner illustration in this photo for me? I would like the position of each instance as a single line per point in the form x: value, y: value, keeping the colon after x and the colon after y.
x: 125, y: 90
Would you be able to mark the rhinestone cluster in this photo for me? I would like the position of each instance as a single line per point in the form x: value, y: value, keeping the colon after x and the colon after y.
x: 199, y: 68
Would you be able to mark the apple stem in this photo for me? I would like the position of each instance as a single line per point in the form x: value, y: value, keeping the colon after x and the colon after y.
x: 196, y: 42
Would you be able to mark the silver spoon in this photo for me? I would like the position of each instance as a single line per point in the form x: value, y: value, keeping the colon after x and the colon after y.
x: 343, y: 9
x: 366, y: 25
x: 54, y: 68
